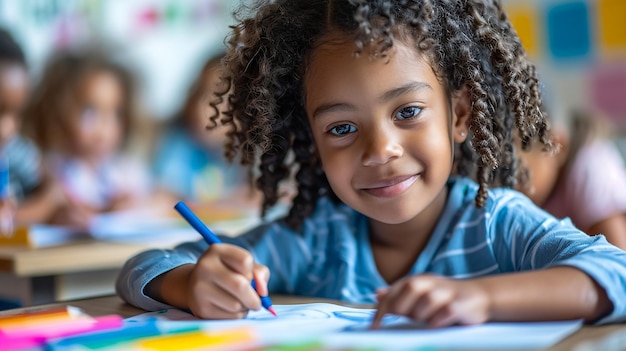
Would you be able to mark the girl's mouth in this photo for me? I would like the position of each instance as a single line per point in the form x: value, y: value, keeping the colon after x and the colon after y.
x: 391, y: 187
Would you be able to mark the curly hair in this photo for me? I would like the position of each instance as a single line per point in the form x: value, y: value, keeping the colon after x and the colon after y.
x: 469, y: 44
x: 46, y: 117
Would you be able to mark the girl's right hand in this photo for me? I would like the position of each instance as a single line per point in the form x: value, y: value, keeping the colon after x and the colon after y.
x: 219, y: 286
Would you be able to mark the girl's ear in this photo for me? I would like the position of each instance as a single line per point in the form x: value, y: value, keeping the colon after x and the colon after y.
x: 461, y: 112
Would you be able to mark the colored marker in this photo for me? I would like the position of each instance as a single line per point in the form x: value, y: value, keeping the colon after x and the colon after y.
x: 128, y: 332
x: 37, y: 335
x: 39, y: 315
x: 6, y: 215
x: 211, y: 239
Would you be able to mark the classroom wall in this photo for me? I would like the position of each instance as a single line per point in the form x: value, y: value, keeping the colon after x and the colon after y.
x: 163, y: 41
x: 579, y: 47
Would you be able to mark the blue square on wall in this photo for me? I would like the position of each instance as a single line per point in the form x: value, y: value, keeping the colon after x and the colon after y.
x: 568, y: 30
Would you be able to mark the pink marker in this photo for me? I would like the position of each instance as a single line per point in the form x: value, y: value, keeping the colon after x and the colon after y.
x: 37, y: 335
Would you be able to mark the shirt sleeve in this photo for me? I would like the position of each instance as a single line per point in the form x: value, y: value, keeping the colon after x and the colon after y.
x: 141, y: 269
x: 528, y: 238
x: 267, y: 243
x: 25, y: 166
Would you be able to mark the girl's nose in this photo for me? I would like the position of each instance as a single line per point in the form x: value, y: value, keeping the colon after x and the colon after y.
x: 382, y: 146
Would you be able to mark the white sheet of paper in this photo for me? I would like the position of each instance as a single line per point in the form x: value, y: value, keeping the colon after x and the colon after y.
x: 158, y: 228
x: 337, y: 326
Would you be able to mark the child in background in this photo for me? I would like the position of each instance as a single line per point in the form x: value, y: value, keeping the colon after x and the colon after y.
x: 585, y: 180
x: 372, y: 98
x: 188, y: 160
x: 81, y: 116
x: 27, y: 194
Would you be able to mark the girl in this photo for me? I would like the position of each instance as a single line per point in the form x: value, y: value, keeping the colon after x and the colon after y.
x: 371, y: 98
x: 570, y: 183
x: 80, y: 116
x: 188, y: 160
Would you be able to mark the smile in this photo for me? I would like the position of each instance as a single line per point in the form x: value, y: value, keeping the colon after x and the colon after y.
x: 391, y: 187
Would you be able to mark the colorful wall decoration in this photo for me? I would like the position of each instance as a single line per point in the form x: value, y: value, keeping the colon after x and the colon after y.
x: 164, y: 41
x: 579, y: 46
x: 580, y: 49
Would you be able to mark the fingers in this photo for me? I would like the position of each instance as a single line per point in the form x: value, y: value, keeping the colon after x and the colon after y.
x: 261, y: 277
x: 381, y: 293
x: 400, y: 298
x: 380, y: 313
x: 430, y: 303
x: 442, y: 318
x: 234, y: 272
x: 222, y: 283
x: 217, y: 303
x: 434, y: 300
x: 237, y: 259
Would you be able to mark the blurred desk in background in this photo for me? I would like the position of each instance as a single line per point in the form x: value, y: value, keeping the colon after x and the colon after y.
x: 74, y: 270
x: 87, y: 267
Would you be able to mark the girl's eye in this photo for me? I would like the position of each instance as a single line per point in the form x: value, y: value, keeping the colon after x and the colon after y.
x: 408, y: 112
x: 342, y: 129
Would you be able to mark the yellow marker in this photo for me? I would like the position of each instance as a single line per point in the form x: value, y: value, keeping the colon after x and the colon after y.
x: 196, y: 340
x: 19, y: 237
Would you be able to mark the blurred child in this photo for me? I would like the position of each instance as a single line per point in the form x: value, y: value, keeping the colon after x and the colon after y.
x: 27, y: 195
x: 81, y: 116
x: 585, y: 180
x: 189, y: 159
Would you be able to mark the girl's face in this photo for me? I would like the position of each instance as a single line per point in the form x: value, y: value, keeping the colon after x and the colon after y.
x: 544, y: 168
x: 384, y: 130
x: 200, y: 110
x: 97, y: 116
x: 14, y: 89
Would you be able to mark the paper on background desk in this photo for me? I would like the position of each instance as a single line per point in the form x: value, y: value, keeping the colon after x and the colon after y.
x: 336, y: 326
x: 39, y: 235
x: 161, y: 224
x: 159, y: 228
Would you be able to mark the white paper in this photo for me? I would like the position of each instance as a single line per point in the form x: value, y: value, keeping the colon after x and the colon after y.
x: 157, y: 227
x: 42, y: 235
x: 337, y: 326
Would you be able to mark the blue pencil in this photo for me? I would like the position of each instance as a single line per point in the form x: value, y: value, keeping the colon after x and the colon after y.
x: 211, y: 239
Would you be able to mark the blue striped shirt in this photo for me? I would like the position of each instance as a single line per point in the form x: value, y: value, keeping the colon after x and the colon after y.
x: 25, y: 171
x: 331, y: 256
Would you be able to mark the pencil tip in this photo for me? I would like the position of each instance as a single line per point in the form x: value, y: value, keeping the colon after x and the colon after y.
x: 271, y: 309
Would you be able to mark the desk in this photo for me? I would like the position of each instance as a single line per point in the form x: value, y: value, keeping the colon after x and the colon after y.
x: 113, y: 304
x: 75, y: 270
x: 84, y: 268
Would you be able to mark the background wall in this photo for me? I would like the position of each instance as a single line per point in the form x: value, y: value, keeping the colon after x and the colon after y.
x: 580, y: 49
x: 578, y: 45
x: 163, y: 41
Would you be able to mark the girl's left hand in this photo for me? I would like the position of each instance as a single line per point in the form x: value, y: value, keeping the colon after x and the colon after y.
x: 436, y: 301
